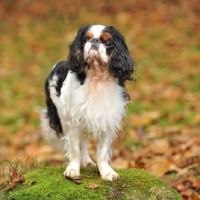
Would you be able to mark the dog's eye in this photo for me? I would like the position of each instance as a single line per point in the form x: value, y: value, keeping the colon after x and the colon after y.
x: 108, y: 43
x: 85, y: 39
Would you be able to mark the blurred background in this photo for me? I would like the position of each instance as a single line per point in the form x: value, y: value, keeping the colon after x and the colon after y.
x: 161, y: 131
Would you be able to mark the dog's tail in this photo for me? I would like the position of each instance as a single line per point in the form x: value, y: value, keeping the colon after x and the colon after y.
x: 49, y: 134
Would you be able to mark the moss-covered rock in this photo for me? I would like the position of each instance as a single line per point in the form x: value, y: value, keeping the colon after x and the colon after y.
x: 49, y: 183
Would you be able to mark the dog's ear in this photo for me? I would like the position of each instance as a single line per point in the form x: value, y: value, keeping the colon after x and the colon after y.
x: 121, y: 65
x: 76, y: 56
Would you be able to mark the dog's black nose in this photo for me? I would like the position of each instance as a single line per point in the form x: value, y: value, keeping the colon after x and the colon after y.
x: 95, y: 40
x: 95, y: 43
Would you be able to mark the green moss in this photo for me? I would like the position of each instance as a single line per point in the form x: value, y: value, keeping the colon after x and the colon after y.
x: 49, y: 183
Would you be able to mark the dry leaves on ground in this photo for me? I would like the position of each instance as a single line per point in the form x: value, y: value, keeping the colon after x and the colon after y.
x: 15, y: 178
x: 92, y: 186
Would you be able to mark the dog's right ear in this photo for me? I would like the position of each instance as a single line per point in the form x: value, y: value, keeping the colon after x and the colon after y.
x: 76, y: 54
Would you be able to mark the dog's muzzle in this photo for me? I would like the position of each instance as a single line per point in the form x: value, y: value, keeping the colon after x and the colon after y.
x: 95, y: 43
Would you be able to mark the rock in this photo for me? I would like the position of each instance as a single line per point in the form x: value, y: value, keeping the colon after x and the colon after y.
x: 49, y: 183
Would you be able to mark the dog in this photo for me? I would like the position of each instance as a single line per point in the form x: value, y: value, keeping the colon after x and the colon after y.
x: 86, y: 98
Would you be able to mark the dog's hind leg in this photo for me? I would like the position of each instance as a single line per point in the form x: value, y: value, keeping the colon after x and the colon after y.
x: 49, y: 134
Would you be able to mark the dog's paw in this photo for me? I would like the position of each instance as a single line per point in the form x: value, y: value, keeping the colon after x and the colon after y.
x: 72, y: 171
x: 108, y: 174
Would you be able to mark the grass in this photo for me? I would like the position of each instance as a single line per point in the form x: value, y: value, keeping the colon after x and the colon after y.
x: 133, y: 184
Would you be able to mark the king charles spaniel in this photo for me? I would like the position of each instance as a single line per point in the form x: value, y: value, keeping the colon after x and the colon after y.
x: 86, y: 98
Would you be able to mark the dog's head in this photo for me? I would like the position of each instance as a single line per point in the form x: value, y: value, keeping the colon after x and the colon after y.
x: 101, y: 45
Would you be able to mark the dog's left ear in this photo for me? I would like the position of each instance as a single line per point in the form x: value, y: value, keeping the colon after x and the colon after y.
x: 121, y: 64
x: 76, y: 59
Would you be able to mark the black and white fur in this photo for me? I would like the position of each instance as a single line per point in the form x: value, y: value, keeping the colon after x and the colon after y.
x: 86, y: 98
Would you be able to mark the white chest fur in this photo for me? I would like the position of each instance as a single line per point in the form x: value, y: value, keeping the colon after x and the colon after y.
x: 95, y: 106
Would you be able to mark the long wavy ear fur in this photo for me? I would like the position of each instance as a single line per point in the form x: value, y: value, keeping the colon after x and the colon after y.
x: 75, y: 57
x: 121, y: 65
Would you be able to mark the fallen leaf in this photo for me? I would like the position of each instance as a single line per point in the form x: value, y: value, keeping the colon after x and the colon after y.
x: 77, y: 179
x: 172, y: 129
x: 186, y: 145
x: 187, y: 193
x: 144, y: 119
x: 160, y: 146
x: 14, y: 178
x: 158, y: 166
x: 194, y: 196
x: 12, y: 172
x: 11, y: 185
x: 32, y: 182
x: 195, y: 182
x: 3, y: 185
x: 185, y: 162
x: 92, y: 186
x: 120, y: 163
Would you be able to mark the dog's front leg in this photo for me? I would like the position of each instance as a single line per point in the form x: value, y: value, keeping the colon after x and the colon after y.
x: 103, y: 156
x: 73, y: 152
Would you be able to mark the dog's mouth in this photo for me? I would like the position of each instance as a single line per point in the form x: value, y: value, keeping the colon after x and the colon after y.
x: 94, y: 56
x: 94, y: 47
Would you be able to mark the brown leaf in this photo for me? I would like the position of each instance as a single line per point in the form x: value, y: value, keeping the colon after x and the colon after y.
x: 3, y: 185
x: 186, y: 145
x: 11, y: 185
x: 158, y: 166
x: 171, y: 182
x: 14, y: 178
x: 32, y: 182
x: 186, y: 161
x: 12, y: 173
x: 172, y: 129
x: 92, y: 186
x: 195, y: 182
x: 194, y: 196
x: 187, y: 193
x: 18, y: 179
x: 120, y: 163
x: 160, y: 146
x: 77, y: 179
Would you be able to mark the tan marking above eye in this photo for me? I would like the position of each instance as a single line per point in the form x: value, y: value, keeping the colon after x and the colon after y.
x: 105, y: 36
x: 89, y: 34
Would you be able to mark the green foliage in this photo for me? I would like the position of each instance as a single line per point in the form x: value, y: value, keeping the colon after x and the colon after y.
x: 48, y: 183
